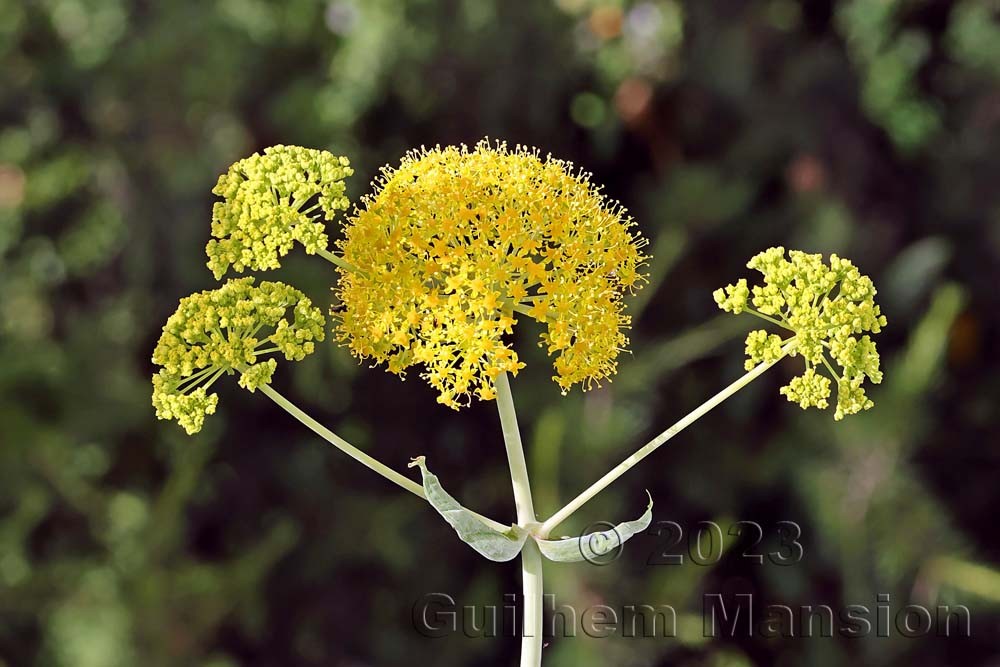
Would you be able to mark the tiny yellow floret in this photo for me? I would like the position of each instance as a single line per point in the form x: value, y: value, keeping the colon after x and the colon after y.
x: 455, y: 244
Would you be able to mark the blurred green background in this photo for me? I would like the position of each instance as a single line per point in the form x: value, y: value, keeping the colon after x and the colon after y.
x: 869, y: 128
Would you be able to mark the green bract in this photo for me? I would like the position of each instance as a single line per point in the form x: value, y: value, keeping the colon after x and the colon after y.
x: 829, y: 309
x: 225, y: 330
x: 272, y: 201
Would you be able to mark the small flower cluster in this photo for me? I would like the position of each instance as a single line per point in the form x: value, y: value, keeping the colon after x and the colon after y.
x: 827, y: 307
x: 454, y: 243
x: 223, y: 331
x: 272, y: 201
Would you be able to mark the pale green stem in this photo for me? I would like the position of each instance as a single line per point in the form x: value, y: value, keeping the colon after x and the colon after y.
x: 212, y: 380
x: 531, y: 559
x: 357, y: 454
x: 192, y: 380
x: 515, y: 453
x: 335, y: 260
x: 342, y: 444
x: 520, y: 308
x: 656, y: 442
x: 531, y: 575
x: 834, y: 373
x: 768, y: 318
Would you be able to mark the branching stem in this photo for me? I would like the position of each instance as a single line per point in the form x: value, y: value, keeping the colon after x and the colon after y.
x: 656, y: 442
x: 768, y: 318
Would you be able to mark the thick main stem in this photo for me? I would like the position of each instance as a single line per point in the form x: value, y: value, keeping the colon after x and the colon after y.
x: 531, y: 576
x: 656, y: 442
x: 531, y: 558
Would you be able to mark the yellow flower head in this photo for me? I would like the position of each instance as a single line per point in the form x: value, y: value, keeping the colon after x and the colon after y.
x: 826, y: 307
x: 232, y: 328
x: 455, y: 244
x: 272, y: 201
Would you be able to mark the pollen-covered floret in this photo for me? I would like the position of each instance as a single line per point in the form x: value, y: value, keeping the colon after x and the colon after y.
x: 272, y: 201
x: 829, y: 310
x: 456, y: 244
x: 230, y: 329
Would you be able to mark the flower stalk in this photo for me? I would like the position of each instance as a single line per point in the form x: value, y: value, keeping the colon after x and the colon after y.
x: 658, y: 441
x: 343, y: 445
x: 355, y: 453
x: 531, y: 559
x: 336, y: 260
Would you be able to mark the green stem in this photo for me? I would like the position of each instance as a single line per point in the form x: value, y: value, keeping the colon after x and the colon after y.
x: 336, y: 260
x: 342, y: 444
x: 357, y: 454
x: 515, y: 453
x: 531, y: 559
x: 830, y: 369
x: 212, y: 380
x: 768, y: 318
x: 531, y: 576
x: 656, y: 442
x: 521, y: 308
x: 195, y: 378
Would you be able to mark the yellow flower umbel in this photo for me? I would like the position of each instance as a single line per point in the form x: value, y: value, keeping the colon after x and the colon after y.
x: 222, y: 331
x: 827, y: 308
x: 454, y: 243
x: 272, y: 201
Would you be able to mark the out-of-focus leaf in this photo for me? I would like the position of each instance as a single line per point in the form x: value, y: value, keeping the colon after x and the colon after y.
x: 980, y: 580
x: 928, y: 343
x: 914, y: 270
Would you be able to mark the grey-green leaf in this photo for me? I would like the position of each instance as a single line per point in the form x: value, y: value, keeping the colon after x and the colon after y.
x: 493, y: 544
x: 595, y: 547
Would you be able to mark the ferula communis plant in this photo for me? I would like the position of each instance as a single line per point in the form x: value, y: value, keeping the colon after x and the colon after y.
x: 434, y: 270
